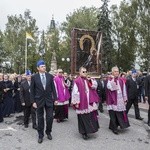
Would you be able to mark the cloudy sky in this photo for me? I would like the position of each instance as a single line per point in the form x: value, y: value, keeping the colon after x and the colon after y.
x: 42, y: 10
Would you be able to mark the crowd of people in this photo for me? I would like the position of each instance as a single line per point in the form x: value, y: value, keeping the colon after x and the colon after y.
x: 53, y: 93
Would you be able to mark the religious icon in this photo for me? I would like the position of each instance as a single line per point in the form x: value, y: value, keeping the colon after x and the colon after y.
x: 85, y: 51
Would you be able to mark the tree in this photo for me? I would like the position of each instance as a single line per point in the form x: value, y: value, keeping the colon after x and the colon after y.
x: 104, y: 26
x: 83, y: 18
x: 2, y: 52
x: 14, y: 40
x: 124, y: 24
x: 143, y: 30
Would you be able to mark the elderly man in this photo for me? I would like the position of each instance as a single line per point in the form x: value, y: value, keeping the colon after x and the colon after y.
x: 84, y: 100
x: 116, y: 97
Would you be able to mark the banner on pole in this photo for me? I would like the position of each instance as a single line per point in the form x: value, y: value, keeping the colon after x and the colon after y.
x: 29, y: 36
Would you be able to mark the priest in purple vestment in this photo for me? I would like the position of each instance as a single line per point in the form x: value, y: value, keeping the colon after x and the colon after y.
x: 116, y: 98
x: 84, y: 100
x: 61, y: 105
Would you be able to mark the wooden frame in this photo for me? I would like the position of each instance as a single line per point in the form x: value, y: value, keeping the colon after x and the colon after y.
x: 85, y: 51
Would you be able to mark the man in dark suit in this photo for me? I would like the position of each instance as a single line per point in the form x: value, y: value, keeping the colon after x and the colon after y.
x: 26, y: 102
x: 147, y: 95
x: 132, y: 91
x: 1, y: 97
x: 43, y: 95
x: 101, y: 90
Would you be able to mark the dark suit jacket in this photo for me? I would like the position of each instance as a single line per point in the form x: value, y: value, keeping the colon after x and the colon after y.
x: 147, y: 87
x: 1, y: 91
x: 8, y: 84
x: 132, y: 90
x: 25, y: 93
x: 102, y: 90
x: 39, y: 95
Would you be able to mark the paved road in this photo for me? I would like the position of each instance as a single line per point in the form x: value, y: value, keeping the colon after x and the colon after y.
x: 13, y: 136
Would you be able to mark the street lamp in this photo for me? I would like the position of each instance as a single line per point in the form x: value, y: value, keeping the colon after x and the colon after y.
x: 66, y: 61
x: 63, y: 59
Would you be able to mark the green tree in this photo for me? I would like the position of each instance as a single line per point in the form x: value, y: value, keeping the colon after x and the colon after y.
x: 124, y: 21
x: 2, y: 52
x: 14, y: 40
x: 83, y: 18
x: 104, y: 26
x: 143, y: 30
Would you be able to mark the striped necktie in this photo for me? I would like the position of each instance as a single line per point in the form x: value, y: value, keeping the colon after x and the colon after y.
x: 43, y: 81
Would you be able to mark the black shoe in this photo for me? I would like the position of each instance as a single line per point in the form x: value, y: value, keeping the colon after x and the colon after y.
x: 49, y: 136
x: 40, y: 140
x: 139, y: 118
x: 115, y: 131
x: 26, y: 125
x: 101, y: 110
x: 58, y: 120
x: 34, y: 127
x: 85, y: 137
x: 1, y: 120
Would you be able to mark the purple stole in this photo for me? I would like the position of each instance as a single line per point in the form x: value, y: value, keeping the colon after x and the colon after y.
x: 62, y: 96
x: 80, y: 82
x: 111, y: 96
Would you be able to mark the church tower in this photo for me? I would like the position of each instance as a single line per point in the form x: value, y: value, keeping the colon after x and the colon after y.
x: 53, y: 66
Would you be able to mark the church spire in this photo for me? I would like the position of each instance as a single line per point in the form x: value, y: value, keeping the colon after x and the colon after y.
x: 52, y: 24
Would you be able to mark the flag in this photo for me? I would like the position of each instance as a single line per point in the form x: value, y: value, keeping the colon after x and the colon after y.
x: 29, y: 36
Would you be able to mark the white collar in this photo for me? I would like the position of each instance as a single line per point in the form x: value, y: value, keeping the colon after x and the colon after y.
x: 42, y: 74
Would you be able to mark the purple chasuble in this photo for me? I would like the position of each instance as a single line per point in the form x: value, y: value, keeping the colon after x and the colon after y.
x: 111, y: 96
x: 80, y: 82
x: 93, y: 96
x: 62, y: 90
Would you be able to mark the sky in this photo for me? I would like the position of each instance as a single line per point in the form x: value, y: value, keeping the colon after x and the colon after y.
x: 42, y: 10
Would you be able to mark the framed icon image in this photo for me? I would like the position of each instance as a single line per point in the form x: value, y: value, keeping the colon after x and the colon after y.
x: 86, y: 51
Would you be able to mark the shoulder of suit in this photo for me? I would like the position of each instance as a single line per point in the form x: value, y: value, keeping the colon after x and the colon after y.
x: 35, y: 75
x: 23, y: 82
x: 48, y: 74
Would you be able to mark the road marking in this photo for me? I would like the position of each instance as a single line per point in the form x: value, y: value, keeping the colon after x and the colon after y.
x: 8, y: 128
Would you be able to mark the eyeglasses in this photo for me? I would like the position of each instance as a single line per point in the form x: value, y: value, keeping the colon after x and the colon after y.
x: 84, y: 71
x: 60, y: 72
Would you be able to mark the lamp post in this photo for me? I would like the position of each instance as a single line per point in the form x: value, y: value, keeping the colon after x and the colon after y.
x: 66, y: 59
x: 66, y: 63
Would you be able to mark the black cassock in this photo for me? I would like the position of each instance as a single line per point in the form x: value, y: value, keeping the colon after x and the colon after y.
x: 8, y: 104
x: 17, y: 101
x: 1, y: 100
